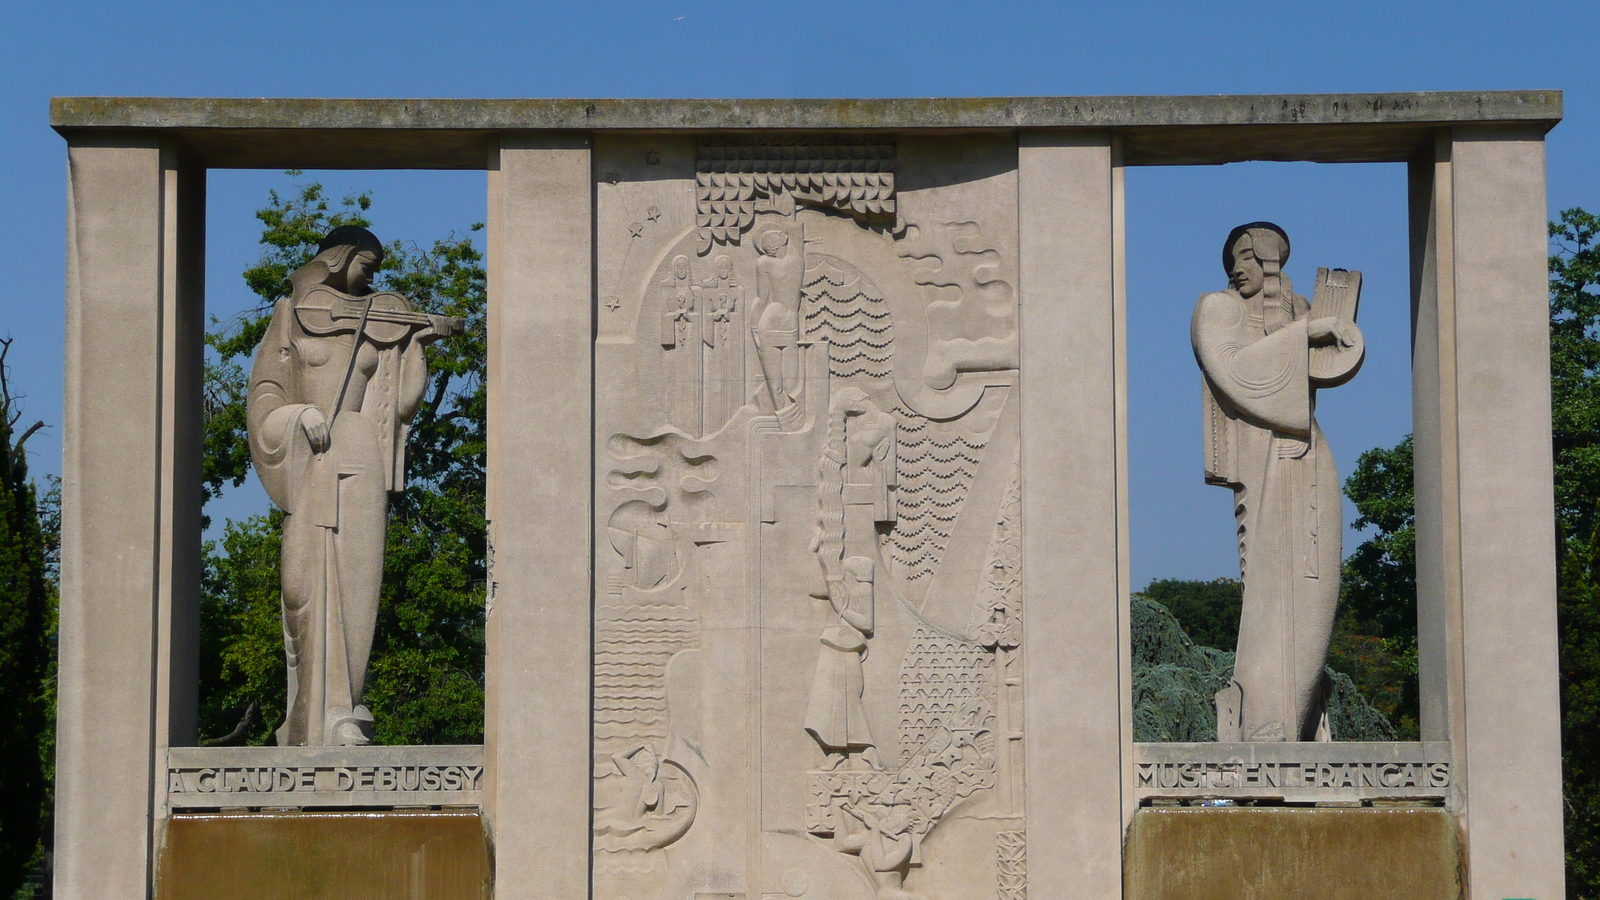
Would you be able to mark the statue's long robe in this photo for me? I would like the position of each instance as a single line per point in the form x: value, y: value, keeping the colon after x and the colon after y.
x: 336, y: 501
x: 1262, y: 441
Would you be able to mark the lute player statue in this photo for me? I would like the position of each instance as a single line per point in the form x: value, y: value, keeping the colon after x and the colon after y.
x: 1264, y: 351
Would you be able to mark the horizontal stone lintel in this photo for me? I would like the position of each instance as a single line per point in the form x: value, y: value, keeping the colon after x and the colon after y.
x: 1156, y: 130
x: 318, y: 777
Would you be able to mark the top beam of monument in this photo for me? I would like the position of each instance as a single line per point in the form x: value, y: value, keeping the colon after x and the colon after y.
x: 439, y: 133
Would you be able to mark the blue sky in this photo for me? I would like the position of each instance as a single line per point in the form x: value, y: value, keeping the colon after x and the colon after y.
x: 1351, y: 216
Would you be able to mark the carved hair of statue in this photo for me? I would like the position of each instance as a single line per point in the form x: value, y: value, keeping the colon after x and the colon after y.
x: 1258, y: 232
x: 1270, y: 244
x: 335, y: 252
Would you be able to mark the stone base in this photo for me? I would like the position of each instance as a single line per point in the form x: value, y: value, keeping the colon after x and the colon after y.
x: 419, y: 855
x: 1245, y: 853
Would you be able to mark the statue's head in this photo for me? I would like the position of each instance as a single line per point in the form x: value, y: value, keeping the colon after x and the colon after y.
x: 773, y: 242
x: 898, y: 821
x: 680, y: 266
x: 351, y: 255
x: 723, y: 268
x: 1253, y: 253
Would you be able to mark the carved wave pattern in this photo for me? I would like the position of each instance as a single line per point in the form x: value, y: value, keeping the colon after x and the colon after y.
x: 633, y: 645
x: 937, y: 461
x: 942, y: 681
x: 937, y: 464
x: 846, y: 310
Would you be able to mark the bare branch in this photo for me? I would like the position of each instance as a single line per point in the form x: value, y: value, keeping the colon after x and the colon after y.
x: 238, y: 730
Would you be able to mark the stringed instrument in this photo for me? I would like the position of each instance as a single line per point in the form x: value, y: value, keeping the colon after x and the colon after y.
x: 1338, y: 296
x: 383, y: 318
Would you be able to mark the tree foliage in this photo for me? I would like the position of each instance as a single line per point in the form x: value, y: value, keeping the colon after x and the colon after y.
x: 26, y: 610
x: 1208, y: 611
x: 1375, y: 636
x: 1175, y: 678
x: 1575, y: 421
x: 425, y: 679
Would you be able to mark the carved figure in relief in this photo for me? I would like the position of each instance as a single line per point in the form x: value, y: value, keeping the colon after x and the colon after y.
x: 334, y: 384
x: 679, y: 316
x: 644, y: 804
x: 780, y: 276
x: 855, y: 494
x: 885, y: 843
x: 722, y: 295
x: 1263, y: 351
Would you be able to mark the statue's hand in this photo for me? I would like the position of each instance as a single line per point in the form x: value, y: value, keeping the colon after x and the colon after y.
x: 1330, y: 330
x: 315, y: 425
x: 445, y: 326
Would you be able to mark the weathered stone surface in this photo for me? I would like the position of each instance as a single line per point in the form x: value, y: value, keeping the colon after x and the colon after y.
x: 1308, y: 854
x: 437, y: 855
x: 456, y: 134
x: 262, y: 777
x: 1310, y: 772
x: 1436, y: 107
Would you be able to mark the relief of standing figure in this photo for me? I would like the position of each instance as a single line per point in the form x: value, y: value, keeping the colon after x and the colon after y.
x: 334, y: 384
x: 1259, y: 345
x: 855, y: 495
x: 780, y: 278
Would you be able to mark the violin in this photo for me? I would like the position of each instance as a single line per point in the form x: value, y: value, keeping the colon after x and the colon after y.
x: 384, y: 317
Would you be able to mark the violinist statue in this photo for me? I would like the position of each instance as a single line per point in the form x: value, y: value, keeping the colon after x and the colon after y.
x: 334, y: 385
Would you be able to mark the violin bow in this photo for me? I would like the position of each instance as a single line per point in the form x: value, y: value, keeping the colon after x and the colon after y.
x: 350, y: 367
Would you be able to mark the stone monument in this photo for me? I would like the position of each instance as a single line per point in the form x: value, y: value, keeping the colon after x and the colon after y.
x: 1263, y: 351
x: 807, y: 479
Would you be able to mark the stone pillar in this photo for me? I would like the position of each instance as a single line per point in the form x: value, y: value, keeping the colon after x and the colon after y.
x: 1510, y: 699
x: 130, y: 505
x: 537, y: 715
x: 1072, y: 472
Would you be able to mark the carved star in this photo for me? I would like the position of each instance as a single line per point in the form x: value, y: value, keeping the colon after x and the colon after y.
x: 613, y: 303
x: 636, y: 229
x: 653, y: 213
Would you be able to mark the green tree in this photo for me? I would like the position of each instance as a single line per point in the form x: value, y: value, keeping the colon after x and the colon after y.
x: 1375, y: 636
x: 1208, y: 611
x: 425, y: 681
x: 1575, y: 422
x: 25, y: 614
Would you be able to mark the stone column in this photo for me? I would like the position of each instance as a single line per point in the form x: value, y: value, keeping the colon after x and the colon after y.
x: 537, y: 714
x: 130, y: 506
x: 1510, y: 698
x: 1072, y: 472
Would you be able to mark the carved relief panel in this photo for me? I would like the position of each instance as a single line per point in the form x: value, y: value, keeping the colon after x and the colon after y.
x: 808, y: 638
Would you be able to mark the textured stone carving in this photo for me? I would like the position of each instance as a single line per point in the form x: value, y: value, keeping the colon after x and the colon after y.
x: 827, y: 519
x: 1011, y: 850
x: 333, y: 386
x: 1263, y: 351
x: 734, y: 181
